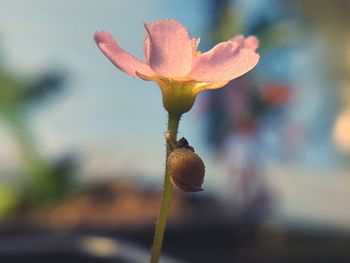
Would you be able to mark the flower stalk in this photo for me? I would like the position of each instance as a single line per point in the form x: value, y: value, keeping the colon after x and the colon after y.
x: 173, y: 125
x: 181, y: 71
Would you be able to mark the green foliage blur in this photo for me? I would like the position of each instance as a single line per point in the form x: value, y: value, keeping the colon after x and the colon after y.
x: 44, y: 182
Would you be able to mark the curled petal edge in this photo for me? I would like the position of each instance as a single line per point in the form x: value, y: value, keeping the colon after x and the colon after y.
x: 119, y: 57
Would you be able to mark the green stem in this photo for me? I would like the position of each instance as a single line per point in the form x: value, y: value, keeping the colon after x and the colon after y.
x: 173, y: 124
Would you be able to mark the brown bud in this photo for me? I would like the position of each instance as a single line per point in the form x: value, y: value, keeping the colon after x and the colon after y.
x: 186, y: 170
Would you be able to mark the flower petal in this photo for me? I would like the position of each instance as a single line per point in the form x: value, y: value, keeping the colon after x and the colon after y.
x: 250, y: 42
x: 120, y: 58
x: 239, y: 39
x: 146, y: 48
x: 226, y: 61
x: 205, y: 86
x: 170, y: 50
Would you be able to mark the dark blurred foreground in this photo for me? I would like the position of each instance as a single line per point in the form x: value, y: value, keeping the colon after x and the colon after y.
x: 115, y: 223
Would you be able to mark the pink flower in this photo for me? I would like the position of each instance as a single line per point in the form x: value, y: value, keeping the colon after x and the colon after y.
x: 173, y: 61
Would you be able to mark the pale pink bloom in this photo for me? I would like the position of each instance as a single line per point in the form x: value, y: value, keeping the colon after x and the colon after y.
x: 171, y: 55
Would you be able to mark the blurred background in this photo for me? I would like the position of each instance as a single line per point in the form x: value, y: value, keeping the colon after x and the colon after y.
x: 82, y: 144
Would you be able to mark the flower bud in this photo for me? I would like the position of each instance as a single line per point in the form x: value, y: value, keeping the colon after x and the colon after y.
x: 186, y: 170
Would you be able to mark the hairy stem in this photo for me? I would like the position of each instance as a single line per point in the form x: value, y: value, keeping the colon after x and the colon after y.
x: 173, y: 124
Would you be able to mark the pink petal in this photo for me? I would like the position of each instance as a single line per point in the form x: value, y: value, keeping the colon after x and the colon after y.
x: 226, y: 61
x: 250, y: 42
x: 239, y: 39
x: 120, y: 58
x: 146, y: 48
x: 170, y: 50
